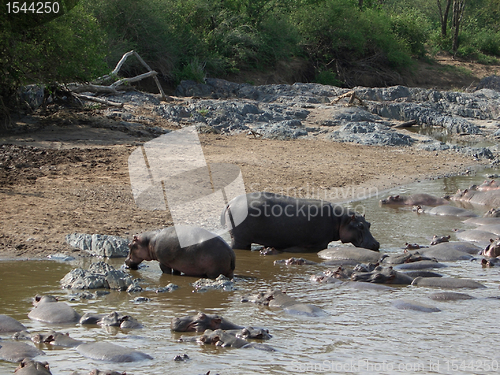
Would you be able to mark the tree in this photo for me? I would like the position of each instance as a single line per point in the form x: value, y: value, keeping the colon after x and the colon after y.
x: 458, y: 14
x: 443, y: 16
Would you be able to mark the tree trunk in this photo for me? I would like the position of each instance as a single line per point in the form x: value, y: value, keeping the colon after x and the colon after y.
x: 443, y: 16
x: 458, y: 13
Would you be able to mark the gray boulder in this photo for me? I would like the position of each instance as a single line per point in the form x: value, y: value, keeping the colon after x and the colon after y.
x: 99, y: 275
x: 99, y: 245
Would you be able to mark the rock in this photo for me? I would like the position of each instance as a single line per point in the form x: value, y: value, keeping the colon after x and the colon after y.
x: 99, y: 275
x: 32, y: 95
x: 99, y: 245
x: 491, y: 82
x: 221, y: 282
x: 169, y: 288
x: 368, y: 133
x: 284, y: 130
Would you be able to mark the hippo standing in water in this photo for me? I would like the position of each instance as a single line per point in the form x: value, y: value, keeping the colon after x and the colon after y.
x: 413, y: 200
x: 208, y: 255
x: 293, y: 224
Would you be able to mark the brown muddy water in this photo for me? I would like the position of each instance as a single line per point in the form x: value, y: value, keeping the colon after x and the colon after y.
x: 362, y: 332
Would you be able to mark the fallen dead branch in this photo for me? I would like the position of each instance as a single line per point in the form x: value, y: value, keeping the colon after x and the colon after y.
x: 99, y: 100
x: 406, y: 124
x: 350, y: 94
x: 99, y: 88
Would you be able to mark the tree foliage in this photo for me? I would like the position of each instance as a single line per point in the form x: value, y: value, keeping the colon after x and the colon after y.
x: 193, y: 39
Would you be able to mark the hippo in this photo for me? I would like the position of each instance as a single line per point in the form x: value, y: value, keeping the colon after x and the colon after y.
x: 112, y: 319
x: 207, y: 256
x: 439, y: 239
x: 327, y: 277
x: 493, y: 228
x: 103, y: 351
x: 347, y: 253
x: 226, y: 339
x: 293, y: 224
x: 418, y: 266
x: 479, y: 236
x: 295, y: 261
x: 415, y: 306
x: 383, y: 275
x: 493, y: 249
x: 200, y: 323
x: 451, y: 251
x: 492, y: 212
x: 47, y: 309
x: 406, y: 257
x: 279, y: 299
x: 482, y: 220
x: 17, y: 351
x: 413, y: 246
x: 30, y: 367
x: 56, y: 339
x: 422, y: 273
x: 414, y: 200
x: 489, y: 198
x: 446, y: 282
x: 104, y: 372
x: 450, y: 296
x: 490, y: 262
x: 449, y: 211
x: 9, y: 324
x: 488, y: 185
x: 251, y: 333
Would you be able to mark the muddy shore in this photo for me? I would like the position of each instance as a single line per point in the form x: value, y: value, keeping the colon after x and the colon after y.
x: 53, y: 183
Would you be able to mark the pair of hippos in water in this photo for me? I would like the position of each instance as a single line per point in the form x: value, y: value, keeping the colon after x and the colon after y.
x: 272, y: 220
x: 286, y: 224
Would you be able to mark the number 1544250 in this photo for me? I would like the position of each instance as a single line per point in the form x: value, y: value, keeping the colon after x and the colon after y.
x: 33, y: 7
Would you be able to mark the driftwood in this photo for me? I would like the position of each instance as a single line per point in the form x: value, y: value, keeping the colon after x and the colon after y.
x: 350, y: 94
x: 99, y: 100
x: 254, y: 133
x: 99, y: 88
x: 406, y: 124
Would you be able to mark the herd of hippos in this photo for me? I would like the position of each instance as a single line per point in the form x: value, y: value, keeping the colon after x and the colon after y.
x: 280, y: 224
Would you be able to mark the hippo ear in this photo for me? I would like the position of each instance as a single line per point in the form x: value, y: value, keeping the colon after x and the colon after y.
x: 396, y: 197
x: 135, y: 238
x: 353, y: 217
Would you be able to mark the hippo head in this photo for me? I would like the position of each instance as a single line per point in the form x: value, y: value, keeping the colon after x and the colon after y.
x: 356, y: 230
x: 493, y: 249
x: 198, y: 323
x: 392, y: 199
x: 139, y: 251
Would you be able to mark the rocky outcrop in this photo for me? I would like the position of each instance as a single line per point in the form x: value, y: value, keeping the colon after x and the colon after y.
x: 315, y: 111
x: 99, y: 245
x: 99, y: 275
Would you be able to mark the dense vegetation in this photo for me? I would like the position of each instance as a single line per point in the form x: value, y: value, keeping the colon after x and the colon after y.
x: 193, y: 39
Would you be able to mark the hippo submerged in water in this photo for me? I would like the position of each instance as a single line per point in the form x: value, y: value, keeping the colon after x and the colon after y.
x: 207, y: 254
x: 412, y: 200
x: 292, y: 224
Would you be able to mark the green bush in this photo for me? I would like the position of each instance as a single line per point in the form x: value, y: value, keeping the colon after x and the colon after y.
x: 327, y: 77
x: 337, y: 30
x: 66, y: 49
x: 413, y: 29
